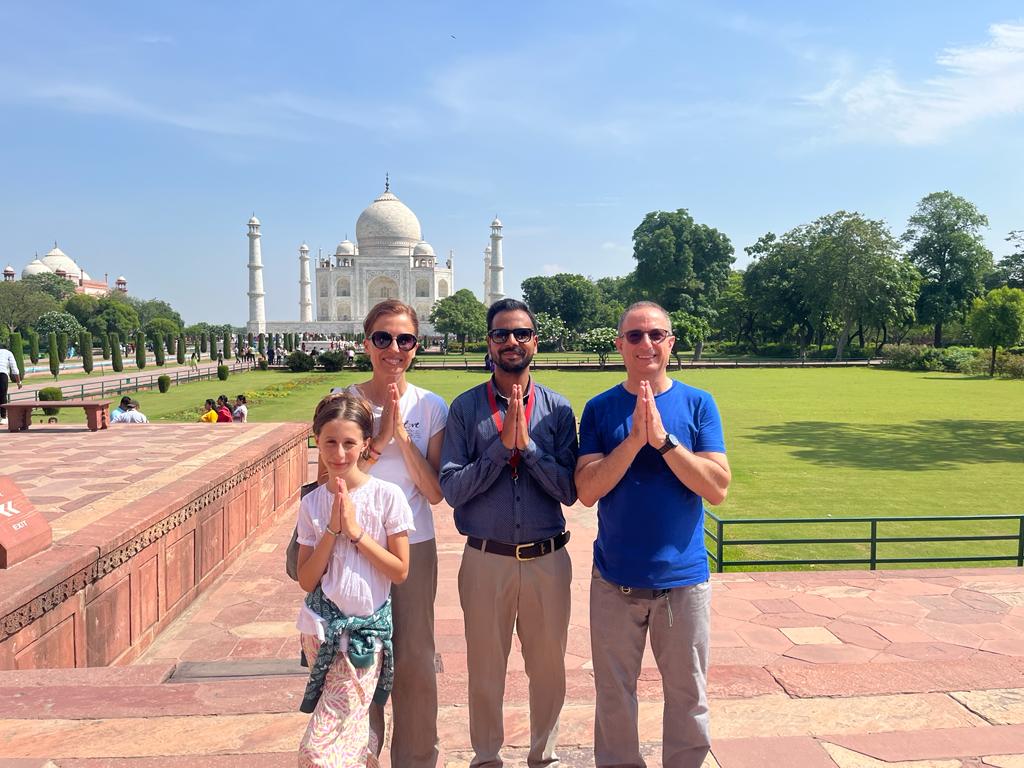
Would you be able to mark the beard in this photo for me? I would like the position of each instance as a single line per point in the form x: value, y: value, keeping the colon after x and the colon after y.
x: 513, y: 365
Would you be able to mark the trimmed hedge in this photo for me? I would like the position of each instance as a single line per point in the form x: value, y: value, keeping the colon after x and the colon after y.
x: 51, y: 393
x: 163, y: 383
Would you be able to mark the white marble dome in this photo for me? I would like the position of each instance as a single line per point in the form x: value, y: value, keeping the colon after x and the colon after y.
x: 345, y: 248
x: 423, y: 249
x: 254, y: 221
x: 35, y: 267
x: 57, y: 259
x: 388, y: 221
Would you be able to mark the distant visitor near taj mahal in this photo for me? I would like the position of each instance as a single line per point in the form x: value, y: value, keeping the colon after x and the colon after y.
x: 389, y: 260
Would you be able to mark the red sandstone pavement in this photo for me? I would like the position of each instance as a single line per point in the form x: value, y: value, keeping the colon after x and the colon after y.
x: 850, y: 669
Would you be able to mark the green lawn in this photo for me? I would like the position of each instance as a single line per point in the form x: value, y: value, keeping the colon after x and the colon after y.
x: 814, y: 443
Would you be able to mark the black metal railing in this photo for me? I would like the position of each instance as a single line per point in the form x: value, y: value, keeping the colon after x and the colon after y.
x: 717, y: 540
x: 83, y: 388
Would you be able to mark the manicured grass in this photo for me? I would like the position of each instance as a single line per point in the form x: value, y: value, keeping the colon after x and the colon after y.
x: 812, y: 443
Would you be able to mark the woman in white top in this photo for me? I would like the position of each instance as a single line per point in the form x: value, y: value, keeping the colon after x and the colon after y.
x: 241, y: 411
x: 409, y: 423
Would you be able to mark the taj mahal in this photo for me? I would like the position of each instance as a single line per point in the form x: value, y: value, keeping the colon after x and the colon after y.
x: 389, y: 260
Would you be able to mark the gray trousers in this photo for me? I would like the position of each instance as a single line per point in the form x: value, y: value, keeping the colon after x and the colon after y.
x: 619, y: 625
x: 498, y: 593
x: 414, y: 696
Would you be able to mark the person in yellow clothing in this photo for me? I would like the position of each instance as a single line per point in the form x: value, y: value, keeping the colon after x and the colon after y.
x: 209, y: 412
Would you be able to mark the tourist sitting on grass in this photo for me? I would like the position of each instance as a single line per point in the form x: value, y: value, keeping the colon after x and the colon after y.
x: 209, y: 414
x: 129, y: 413
x: 121, y: 408
x: 241, y: 411
x: 224, y: 415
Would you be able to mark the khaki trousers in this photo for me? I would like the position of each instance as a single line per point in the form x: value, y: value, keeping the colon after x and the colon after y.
x: 498, y: 593
x: 414, y: 696
x: 679, y: 626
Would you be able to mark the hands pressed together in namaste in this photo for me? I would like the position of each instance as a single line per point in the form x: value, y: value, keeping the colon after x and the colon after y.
x: 647, y: 428
x: 514, y: 434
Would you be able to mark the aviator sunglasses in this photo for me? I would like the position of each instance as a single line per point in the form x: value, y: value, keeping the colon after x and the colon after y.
x: 500, y: 335
x: 383, y: 339
x: 656, y: 335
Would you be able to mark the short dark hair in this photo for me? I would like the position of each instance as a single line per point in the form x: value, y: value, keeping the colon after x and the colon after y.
x: 241, y: 397
x: 509, y: 305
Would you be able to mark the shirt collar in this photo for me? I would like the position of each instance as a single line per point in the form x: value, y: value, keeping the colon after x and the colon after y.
x: 504, y: 400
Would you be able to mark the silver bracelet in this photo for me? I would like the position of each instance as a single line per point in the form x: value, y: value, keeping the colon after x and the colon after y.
x: 358, y: 538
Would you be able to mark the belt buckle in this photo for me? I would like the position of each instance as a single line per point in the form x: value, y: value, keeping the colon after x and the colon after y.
x: 519, y: 557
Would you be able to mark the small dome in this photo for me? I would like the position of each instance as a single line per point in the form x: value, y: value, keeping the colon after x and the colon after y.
x: 254, y: 220
x: 496, y: 222
x: 8, y: 270
x: 303, y: 248
x: 35, y: 267
x: 120, y: 280
x: 423, y: 249
x: 387, y: 221
x: 346, y: 248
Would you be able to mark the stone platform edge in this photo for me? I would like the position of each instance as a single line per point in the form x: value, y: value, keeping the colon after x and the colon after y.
x: 95, y: 604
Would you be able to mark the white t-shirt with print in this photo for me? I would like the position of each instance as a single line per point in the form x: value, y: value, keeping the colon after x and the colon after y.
x: 350, y: 581
x: 424, y: 414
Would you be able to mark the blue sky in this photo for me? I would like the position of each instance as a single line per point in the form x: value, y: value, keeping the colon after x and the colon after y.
x: 141, y: 136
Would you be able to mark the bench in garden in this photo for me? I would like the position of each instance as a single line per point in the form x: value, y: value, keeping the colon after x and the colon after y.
x: 19, y: 415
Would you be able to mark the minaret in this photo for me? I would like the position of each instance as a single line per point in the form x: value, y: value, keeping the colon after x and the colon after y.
x: 487, y: 273
x: 257, y: 312
x: 497, y: 278
x: 305, y: 293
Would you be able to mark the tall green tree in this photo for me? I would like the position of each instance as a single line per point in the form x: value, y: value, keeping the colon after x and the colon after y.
x: 945, y: 244
x: 181, y: 350
x: 116, y: 361
x: 690, y: 331
x: 154, y: 309
x: 57, y: 287
x: 18, y: 350
x: 681, y: 264
x: 105, y: 346
x: 166, y: 328
x: 33, y: 345
x: 115, y: 315
x: 140, y: 350
x: 997, y: 320
x: 52, y: 344
x: 1011, y: 268
x: 85, y: 342
x: 159, y: 350
x: 849, y: 261
x: 22, y: 306
x: 460, y: 315
x: 778, y: 306
x: 83, y: 307
x: 226, y: 345
x: 63, y: 342
x: 573, y: 298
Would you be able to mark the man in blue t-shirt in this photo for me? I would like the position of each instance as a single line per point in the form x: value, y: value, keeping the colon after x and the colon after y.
x: 651, y: 450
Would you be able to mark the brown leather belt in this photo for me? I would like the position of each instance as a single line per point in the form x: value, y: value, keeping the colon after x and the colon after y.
x: 528, y: 551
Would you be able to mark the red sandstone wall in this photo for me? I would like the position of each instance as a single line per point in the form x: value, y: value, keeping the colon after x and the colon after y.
x: 107, y: 610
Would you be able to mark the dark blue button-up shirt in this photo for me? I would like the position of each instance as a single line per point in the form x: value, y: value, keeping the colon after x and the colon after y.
x: 477, y: 480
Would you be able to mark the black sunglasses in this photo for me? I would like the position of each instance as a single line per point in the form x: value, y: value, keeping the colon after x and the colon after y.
x: 500, y: 335
x: 383, y: 339
x: 656, y: 335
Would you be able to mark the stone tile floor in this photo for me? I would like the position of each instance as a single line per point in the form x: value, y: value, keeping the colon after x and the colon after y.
x: 916, y: 669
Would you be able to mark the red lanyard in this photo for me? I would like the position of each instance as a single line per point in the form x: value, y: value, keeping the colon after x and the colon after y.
x: 492, y: 399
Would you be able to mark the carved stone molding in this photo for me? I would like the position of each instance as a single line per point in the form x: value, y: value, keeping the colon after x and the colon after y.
x: 17, y: 620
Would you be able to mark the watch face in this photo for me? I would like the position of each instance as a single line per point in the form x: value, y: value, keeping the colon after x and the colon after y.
x: 670, y: 443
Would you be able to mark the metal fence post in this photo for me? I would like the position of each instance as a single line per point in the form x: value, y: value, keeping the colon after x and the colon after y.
x: 874, y: 544
x: 1020, y: 543
x: 719, y: 546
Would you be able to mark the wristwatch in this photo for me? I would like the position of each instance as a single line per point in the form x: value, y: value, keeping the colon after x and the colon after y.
x: 671, y: 443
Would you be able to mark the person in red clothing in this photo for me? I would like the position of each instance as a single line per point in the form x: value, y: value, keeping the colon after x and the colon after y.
x: 223, y: 410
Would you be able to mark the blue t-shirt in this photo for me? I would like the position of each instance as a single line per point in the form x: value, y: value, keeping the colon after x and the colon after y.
x: 650, y: 531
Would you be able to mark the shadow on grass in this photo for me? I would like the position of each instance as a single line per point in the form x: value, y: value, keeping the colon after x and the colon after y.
x: 945, y: 444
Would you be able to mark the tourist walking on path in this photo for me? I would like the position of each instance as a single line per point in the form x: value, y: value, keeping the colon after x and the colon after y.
x: 410, y: 424
x: 506, y: 469
x: 353, y: 545
x: 651, y: 451
x: 8, y: 372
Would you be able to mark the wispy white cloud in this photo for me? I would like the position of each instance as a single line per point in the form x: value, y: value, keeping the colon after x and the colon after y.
x: 552, y: 269
x: 974, y: 84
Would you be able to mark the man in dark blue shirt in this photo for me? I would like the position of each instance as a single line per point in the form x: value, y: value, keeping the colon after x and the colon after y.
x: 506, y: 468
x: 651, y: 452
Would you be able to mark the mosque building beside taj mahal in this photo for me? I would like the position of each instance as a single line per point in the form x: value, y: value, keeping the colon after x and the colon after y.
x: 389, y: 260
